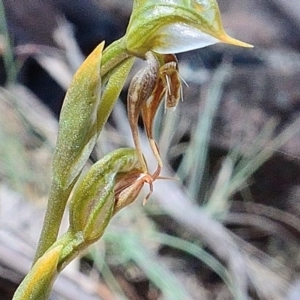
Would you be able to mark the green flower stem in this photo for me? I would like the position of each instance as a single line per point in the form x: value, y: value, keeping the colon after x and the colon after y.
x: 112, y: 90
x: 113, y: 56
x: 54, y: 213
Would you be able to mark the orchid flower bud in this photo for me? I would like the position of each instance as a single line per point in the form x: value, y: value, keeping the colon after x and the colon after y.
x: 94, y: 198
x: 174, y: 26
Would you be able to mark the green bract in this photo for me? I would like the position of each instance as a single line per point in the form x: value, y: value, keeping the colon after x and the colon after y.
x: 77, y: 132
x: 37, y: 284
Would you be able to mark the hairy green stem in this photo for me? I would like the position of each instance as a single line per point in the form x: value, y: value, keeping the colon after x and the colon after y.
x: 113, y: 56
x: 55, y: 209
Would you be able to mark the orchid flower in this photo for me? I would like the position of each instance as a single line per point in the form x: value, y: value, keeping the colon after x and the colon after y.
x: 157, y: 30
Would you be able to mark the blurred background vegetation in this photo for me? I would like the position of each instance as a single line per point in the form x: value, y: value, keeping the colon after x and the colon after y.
x: 229, y: 226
